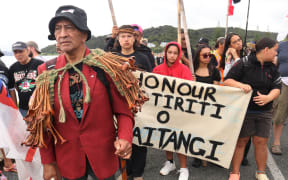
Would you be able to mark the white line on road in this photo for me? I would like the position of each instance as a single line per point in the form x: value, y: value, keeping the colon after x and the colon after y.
x: 275, y: 171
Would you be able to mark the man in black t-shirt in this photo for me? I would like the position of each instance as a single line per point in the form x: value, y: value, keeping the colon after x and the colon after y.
x: 22, y: 76
x: 127, y: 45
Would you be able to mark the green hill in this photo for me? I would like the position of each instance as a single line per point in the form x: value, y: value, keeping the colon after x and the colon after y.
x: 169, y: 33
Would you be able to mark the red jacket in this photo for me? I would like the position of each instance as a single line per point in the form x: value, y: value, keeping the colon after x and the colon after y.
x: 94, y: 136
x: 177, y: 69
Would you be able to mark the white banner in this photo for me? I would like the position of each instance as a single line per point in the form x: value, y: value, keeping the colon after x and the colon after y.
x: 196, y: 119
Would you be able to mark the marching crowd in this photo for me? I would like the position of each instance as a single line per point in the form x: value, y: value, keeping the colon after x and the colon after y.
x: 92, y: 147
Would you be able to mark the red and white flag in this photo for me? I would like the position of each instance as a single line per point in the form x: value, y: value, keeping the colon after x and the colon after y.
x: 12, y: 134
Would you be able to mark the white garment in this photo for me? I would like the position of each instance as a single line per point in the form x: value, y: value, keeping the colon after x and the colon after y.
x: 228, y: 66
x: 40, y: 58
x: 285, y: 80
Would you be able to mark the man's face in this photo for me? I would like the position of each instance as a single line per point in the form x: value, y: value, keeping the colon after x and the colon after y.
x: 138, y: 36
x: 68, y: 36
x: 183, y: 41
x: 22, y: 56
x: 30, y: 49
x: 126, y: 40
x: 271, y: 53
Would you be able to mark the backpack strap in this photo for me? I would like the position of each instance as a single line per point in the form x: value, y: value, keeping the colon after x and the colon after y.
x: 245, y: 60
x: 101, y: 76
x: 50, y: 64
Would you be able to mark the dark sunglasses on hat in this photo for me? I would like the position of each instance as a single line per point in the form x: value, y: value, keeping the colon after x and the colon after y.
x: 206, y: 55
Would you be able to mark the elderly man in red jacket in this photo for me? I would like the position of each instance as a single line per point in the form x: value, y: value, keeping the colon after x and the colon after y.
x: 92, y: 147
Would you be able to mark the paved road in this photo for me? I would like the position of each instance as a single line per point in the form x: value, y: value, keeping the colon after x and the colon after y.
x: 212, y: 172
x: 277, y: 166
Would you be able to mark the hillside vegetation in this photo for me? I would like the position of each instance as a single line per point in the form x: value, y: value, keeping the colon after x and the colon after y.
x: 169, y: 33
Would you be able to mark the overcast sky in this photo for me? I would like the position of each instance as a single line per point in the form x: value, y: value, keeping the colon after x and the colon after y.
x: 28, y: 20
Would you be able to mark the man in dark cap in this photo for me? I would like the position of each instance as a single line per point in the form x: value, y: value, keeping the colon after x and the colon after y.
x: 92, y: 148
x: 22, y: 76
x: 203, y: 41
x: 34, y: 50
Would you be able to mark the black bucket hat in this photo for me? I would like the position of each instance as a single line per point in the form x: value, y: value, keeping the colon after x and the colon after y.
x: 1, y: 53
x: 76, y: 15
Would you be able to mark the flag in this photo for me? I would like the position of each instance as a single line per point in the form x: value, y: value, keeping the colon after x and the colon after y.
x: 230, y: 8
x: 12, y: 133
x: 236, y: 1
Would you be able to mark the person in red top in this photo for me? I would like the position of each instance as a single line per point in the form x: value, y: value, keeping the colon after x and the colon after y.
x: 92, y: 147
x: 173, y: 67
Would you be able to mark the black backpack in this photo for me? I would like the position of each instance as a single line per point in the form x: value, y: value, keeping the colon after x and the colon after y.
x: 100, y: 75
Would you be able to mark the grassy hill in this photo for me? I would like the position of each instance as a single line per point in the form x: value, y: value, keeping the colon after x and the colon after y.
x: 169, y: 33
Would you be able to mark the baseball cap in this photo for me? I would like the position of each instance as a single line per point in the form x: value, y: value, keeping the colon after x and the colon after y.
x: 76, y: 15
x: 137, y: 28
x: 19, y: 46
x: 203, y: 41
x: 33, y: 44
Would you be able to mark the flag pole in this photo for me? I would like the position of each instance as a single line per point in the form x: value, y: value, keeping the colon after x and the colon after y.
x: 226, y: 29
x: 179, y: 21
x: 112, y: 12
x: 122, y: 161
x: 246, y: 30
x: 186, y: 33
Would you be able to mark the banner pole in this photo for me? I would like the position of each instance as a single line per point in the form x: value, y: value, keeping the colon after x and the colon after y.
x: 179, y: 21
x: 246, y: 30
x: 112, y: 12
x: 186, y: 33
x: 226, y: 29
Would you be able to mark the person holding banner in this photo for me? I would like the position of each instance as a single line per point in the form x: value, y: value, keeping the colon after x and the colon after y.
x: 205, y: 72
x: 173, y: 67
x: 233, y: 51
x: 260, y: 75
x: 126, y: 44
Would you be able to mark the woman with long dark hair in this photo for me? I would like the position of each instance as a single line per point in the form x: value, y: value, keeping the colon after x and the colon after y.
x: 233, y: 51
x: 205, y: 72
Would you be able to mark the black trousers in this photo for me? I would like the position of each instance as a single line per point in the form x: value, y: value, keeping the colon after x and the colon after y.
x: 136, y: 164
x: 89, y: 172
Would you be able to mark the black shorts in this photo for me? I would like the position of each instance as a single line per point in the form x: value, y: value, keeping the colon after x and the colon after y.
x: 257, y: 124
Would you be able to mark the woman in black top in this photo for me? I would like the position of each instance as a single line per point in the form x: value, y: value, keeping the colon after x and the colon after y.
x: 204, y: 70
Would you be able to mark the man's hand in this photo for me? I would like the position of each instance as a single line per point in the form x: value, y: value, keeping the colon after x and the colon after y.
x: 261, y: 99
x: 245, y: 87
x: 50, y: 172
x: 115, y: 31
x: 185, y: 60
x: 123, y: 148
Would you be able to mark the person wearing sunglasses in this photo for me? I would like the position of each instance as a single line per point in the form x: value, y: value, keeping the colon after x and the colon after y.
x: 204, y: 70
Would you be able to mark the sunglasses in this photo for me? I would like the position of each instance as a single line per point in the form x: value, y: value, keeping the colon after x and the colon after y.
x: 206, y: 55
